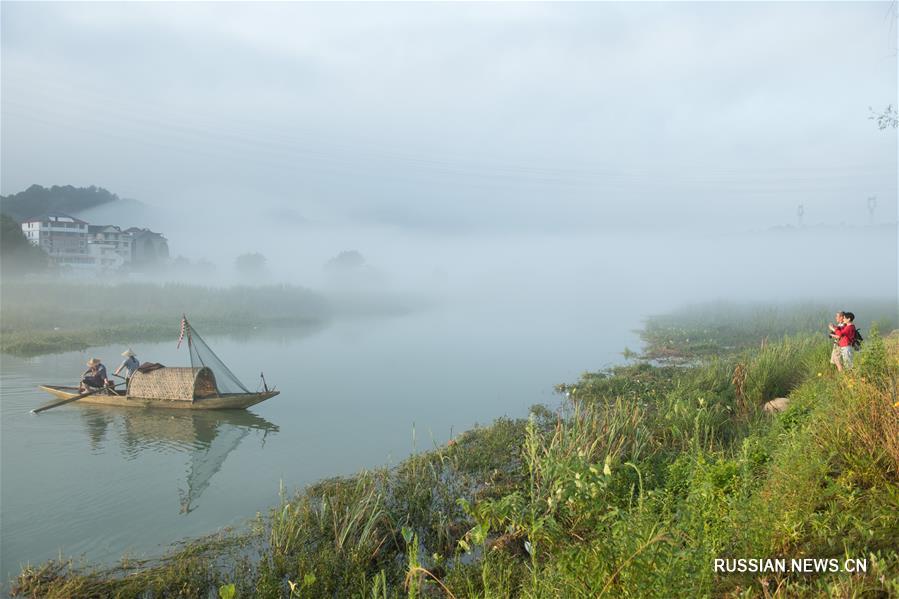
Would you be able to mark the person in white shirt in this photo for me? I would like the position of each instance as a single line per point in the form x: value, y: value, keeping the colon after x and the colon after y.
x: 130, y: 364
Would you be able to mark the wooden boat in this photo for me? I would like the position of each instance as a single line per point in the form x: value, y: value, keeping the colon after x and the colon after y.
x: 225, y: 401
x: 185, y: 388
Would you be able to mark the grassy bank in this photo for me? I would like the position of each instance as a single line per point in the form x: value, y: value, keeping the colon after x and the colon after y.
x: 642, y: 478
x: 38, y: 318
x: 711, y: 329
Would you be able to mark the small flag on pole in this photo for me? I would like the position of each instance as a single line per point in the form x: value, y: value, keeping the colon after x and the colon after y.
x: 183, y: 328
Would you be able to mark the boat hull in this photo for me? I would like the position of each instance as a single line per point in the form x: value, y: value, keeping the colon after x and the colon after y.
x: 227, y: 401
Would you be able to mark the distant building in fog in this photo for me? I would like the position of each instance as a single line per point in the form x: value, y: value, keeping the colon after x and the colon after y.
x: 112, y: 239
x: 71, y: 242
x: 147, y: 248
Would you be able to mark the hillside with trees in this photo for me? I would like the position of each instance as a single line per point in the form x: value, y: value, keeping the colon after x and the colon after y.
x: 38, y: 200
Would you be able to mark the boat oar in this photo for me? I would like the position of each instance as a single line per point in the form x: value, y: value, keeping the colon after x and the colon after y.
x: 65, y: 401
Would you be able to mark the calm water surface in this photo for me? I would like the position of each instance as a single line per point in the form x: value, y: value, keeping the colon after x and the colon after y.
x: 99, y: 482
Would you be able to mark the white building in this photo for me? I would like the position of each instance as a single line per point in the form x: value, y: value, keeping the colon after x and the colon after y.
x: 63, y: 237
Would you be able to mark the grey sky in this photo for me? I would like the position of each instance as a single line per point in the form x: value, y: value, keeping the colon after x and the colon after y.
x: 458, y: 117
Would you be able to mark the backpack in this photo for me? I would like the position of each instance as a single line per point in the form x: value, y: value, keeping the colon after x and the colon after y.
x: 857, y: 342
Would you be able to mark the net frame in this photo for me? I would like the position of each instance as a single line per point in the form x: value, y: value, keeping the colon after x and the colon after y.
x: 202, y: 356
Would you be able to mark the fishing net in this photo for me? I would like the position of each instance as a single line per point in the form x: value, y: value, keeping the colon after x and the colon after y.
x: 202, y: 356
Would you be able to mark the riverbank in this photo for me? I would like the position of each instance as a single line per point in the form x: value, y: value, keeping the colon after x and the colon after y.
x: 644, y: 476
x: 40, y: 318
x: 705, y: 330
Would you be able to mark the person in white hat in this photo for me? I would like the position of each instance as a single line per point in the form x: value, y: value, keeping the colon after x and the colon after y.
x: 130, y: 364
x: 94, y: 376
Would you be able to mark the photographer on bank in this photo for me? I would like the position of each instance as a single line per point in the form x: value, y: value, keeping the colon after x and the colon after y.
x: 844, y: 336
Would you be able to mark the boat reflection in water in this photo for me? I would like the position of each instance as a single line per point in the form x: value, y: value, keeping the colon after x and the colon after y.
x: 205, y: 437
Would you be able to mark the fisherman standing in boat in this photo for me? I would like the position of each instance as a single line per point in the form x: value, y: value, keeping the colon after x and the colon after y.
x: 130, y: 365
x: 94, y: 376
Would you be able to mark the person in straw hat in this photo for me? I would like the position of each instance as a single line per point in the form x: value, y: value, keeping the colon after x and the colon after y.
x: 129, y: 365
x: 94, y: 376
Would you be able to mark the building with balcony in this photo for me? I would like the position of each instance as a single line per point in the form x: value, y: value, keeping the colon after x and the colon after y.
x: 64, y: 238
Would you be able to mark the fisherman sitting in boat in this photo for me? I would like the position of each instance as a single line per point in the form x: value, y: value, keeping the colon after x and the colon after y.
x: 94, y: 376
x: 130, y: 365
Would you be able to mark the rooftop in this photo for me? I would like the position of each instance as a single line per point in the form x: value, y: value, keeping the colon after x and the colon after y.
x: 56, y: 217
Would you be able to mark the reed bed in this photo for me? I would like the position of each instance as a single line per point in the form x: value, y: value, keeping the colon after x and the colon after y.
x: 39, y: 317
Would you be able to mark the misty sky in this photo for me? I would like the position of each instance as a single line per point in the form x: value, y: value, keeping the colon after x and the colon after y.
x: 458, y: 117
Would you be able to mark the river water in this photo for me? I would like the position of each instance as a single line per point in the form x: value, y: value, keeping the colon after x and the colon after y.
x: 101, y: 482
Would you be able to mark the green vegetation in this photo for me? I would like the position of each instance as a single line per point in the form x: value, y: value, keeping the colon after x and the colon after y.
x: 46, y: 317
x: 17, y: 255
x: 38, y: 200
x: 644, y: 476
x: 711, y: 329
x: 40, y: 318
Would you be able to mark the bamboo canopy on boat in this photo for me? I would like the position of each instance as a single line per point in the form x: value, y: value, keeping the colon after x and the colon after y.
x: 176, y: 384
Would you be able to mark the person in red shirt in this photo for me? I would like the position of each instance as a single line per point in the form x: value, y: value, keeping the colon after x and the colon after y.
x: 845, y: 336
